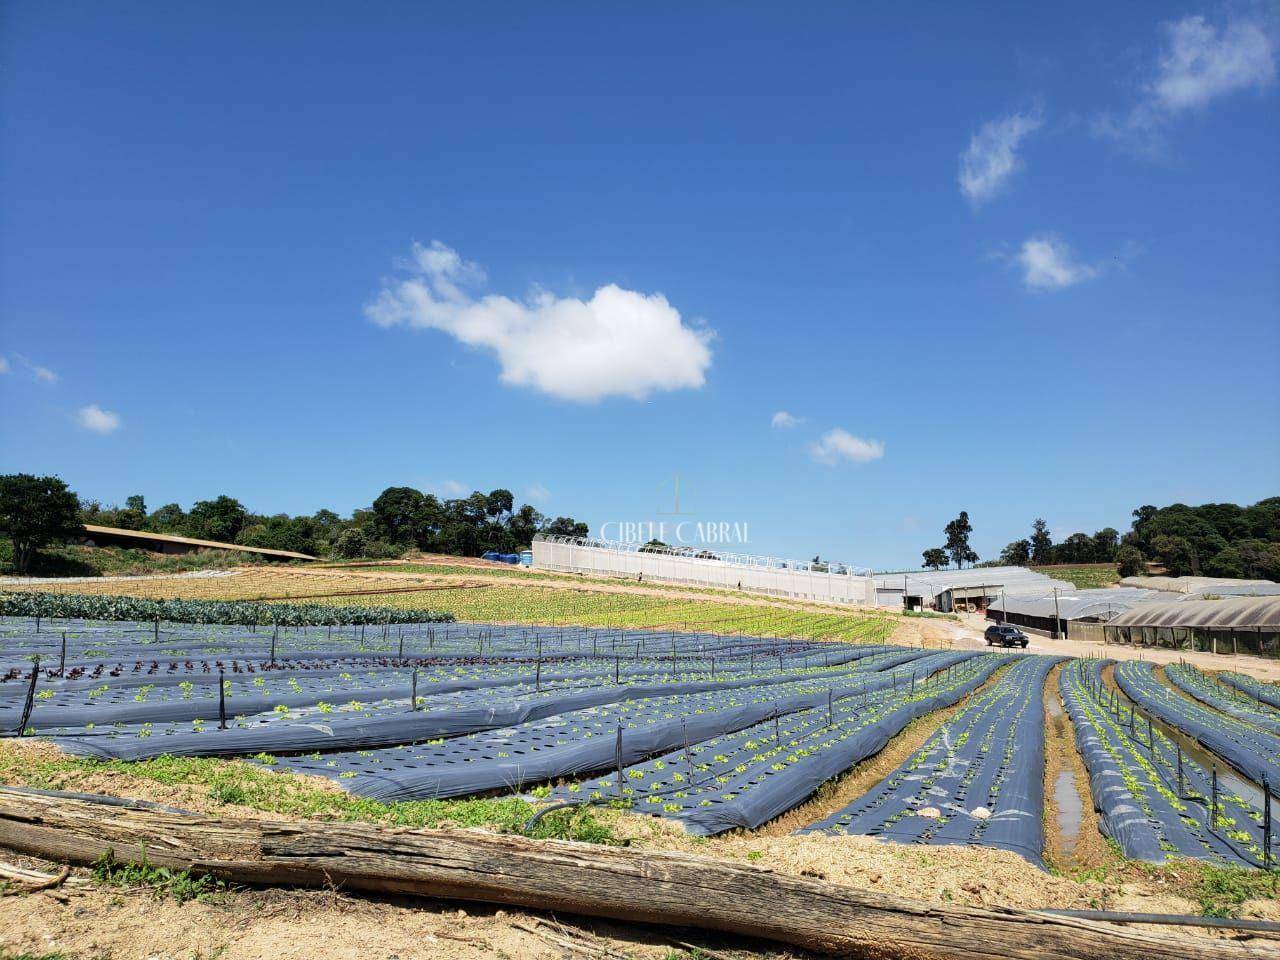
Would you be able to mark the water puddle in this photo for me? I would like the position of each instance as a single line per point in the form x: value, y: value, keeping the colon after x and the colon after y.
x: 1066, y: 794
x: 1070, y: 810
x: 1228, y: 779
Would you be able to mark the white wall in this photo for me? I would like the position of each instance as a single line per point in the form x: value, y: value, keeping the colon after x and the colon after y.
x: 805, y: 584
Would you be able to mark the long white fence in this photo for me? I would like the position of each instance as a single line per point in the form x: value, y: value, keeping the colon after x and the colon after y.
x: 754, y: 575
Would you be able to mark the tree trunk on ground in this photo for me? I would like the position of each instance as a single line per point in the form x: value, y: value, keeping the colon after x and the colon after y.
x: 648, y: 887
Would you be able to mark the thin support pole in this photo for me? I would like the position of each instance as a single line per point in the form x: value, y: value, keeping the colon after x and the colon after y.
x: 30, y: 702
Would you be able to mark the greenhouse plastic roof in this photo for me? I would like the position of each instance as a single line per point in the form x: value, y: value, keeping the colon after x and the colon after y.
x: 1219, y: 585
x: 1078, y: 605
x: 1013, y: 580
x: 1240, y: 613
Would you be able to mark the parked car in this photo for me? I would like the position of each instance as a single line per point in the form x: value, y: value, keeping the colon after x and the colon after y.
x: 1005, y: 635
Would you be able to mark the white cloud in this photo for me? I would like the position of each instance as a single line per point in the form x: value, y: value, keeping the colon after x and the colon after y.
x: 838, y: 444
x: 448, y: 488
x: 1048, y: 264
x: 992, y: 155
x: 43, y: 374
x: 538, y: 493
x: 618, y: 343
x: 1197, y: 64
x: 4, y: 365
x: 94, y: 418
x: 785, y: 421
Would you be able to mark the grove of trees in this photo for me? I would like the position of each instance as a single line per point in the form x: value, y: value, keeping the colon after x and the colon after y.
x: 38, y: 511
x: 1213, y: 539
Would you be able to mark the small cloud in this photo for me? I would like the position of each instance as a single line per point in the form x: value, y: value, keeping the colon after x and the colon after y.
x: 42, y: 374
x: 4, y: 365
x: 785, y: 421
x: 838, y: 444
x: 1198, y: 63
x: 448, y: 488
x: 910, y: 523
x: 617, y: 343
x: 991, y: 158
x: 94, y: 418
x: 1049, y: 264
x: 538, y: 493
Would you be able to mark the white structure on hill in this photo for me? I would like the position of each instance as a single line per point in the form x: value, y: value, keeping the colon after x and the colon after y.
x: 976, y: 588
x: 835, y: 582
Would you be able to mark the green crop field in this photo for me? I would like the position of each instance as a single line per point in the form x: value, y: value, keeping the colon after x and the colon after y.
x: 1086, y: 576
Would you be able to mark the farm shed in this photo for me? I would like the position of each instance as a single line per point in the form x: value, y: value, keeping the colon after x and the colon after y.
x: 1235, y: 625
x: 1037, y: 611
x: 946, y: 589
x: 96, y: 536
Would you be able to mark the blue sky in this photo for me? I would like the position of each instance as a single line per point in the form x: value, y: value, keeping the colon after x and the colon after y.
x: 1022, y: 262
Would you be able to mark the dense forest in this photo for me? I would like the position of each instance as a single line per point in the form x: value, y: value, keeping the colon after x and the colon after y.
x: 1213, y: 539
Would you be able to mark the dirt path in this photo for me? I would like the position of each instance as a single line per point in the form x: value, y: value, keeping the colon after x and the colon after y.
x: 967, y: 635
x: 1073, y: 839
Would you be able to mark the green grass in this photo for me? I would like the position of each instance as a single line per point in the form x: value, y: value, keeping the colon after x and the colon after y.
x: 1223, y: 890
x: 242, y: 784
x: 1084, y: 576
x: 179, y: 885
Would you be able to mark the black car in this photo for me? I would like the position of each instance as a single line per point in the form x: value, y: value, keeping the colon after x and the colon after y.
x: 1005, y: 635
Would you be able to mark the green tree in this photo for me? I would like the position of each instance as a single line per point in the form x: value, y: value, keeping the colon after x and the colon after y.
x: 1077, y: 548
x: 170, y: 518
x: 36, y: 511
x: 569, y: 527
x: 397, y: 514
x: 1041, y: 544
x: 1176, y: 554
x: 350, y: 544
x: 1130, y: 562
x: 957, y: 545
x: 1105, y: 543
x: 1016, y: 554
x: 935, y: 558
x: 220, y: 519
x: 1247, y: 560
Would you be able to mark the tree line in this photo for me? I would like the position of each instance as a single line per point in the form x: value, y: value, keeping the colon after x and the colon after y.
x: 38, y: 511
x: 1214, y: 539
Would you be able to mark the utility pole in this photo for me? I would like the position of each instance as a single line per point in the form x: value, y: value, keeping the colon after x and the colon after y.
x: 1056, y: 620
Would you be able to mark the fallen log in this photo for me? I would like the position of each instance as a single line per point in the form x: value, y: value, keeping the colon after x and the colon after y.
x: 621, y: 884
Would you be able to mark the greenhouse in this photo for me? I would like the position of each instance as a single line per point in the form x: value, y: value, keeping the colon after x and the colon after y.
x: 1234, y: 625
x: 1039, y: 611
x: 948, y: 590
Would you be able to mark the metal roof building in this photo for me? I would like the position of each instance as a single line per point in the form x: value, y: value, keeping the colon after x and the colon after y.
x: 1233, y: 625
x: 1222, y: 586
x: 946, y: 589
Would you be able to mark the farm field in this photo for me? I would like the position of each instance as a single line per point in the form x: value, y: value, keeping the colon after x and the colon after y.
x: 468, y: 596
x: 1086, y: 576
x: 773, y: 736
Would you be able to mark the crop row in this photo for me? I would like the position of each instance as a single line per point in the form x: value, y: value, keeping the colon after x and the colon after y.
x: 107, y: 607
x: 1253, y: 752
x: 1268, y: 693
x: 1152, y: 799
x: 753, y: 774
x: 977, y: 780
x: 1223, y: 698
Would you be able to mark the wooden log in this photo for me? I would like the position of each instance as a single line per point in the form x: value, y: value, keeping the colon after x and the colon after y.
x: 614, y: 882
